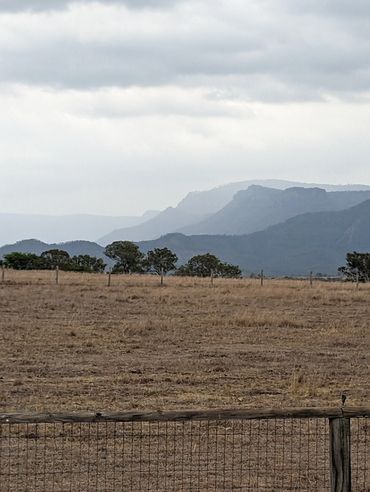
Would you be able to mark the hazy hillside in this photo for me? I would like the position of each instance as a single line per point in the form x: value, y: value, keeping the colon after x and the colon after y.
x: 72, y: 247
x: 315, y: 241
x: 167, y: 221
x: 15, y: 227
x: 193, y: 209
x: 259, y: 207
x: 198, y: 205
x: 211, y: 201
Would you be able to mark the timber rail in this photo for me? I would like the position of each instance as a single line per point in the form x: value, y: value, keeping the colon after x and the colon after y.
x: 296, y: 449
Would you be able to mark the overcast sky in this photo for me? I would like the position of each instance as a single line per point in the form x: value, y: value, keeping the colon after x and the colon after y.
x: 116, y: 107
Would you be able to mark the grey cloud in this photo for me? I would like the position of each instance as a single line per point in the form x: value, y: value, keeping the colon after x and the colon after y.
x: 164, y: 106
x: 52, y: 5
x: 261, y: 74
x: 333, y: 8
x: 285, y: 59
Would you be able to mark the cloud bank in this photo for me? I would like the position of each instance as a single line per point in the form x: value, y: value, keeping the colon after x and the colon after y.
x: 266, y: 50
x: 50, y: 5
x: 143, y: 100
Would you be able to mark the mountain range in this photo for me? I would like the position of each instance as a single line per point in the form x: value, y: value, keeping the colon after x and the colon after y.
x: 167, y: 221
x: 259, y: 207
x: 315, y: 242
x: 73, y: 248
x: 282, y: 227
x: 216, y: 211
x: 197, y: 210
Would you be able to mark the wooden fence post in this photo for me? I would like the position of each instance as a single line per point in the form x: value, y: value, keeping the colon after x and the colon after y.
x: 162, y: 277
x: 109, y: 277
x: 212, y: 278
x: 57, y: 274
x: 262, y: 278
x: 3, y: 273
x: 357, y: 280
x: 311, y: 279
x: 340, y: 454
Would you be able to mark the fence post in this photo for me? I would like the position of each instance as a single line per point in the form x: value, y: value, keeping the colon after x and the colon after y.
x: 109, y: 277
x: 311, y: 279
x: 340, y: 454
x: 212, y: 278
x: 357, y: 279
x: 262, y: 278
x: 57, y: 274
x: 162, y: 277
x: 3, y: 273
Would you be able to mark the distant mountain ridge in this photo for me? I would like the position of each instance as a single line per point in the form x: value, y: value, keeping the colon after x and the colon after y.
x: 168, y: 220
x: 196, y: 207
x: 259, y: 207
x: 73, y: 248
x: 300, y: 228
x: 314, y: 241
x: 213, y: 200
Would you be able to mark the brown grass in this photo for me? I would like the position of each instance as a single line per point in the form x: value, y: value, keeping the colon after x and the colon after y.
x: 82, y: 345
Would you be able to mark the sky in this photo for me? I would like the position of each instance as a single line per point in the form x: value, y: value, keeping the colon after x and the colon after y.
x: 116, y: 107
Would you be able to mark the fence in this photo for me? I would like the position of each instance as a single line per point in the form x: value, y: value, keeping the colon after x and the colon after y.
x: 226, y: 450
x: 57, y: 276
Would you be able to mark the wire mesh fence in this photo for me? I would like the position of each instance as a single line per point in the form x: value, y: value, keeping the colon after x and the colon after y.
x: 360, y: 454
x: 269, y: 454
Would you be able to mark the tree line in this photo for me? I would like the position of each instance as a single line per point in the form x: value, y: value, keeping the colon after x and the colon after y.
x: 127, y: 258
x: 49, y: 260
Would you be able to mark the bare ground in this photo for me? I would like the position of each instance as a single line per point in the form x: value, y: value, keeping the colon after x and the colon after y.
x: 83, y: 346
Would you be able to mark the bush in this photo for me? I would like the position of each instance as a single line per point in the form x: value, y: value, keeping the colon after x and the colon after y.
x: 358, y: 266
x: 23, y: 261
x: 207, y: 265
x: 128, y: 257
x: 51, y: 259
x: 161, y: 259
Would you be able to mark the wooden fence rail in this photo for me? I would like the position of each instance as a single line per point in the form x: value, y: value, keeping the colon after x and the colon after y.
x: 300, y: 449
x: 183, y: 415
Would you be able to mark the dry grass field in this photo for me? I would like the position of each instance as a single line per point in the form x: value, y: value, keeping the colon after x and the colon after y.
x: 83, y: 346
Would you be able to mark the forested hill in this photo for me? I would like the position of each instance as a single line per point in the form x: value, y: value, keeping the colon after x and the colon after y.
x: 74, y: 248
x: 315, y: 241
